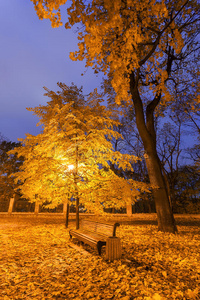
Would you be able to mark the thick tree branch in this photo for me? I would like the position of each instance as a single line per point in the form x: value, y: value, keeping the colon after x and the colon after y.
x: 150, y: 115
x: 138, y: 105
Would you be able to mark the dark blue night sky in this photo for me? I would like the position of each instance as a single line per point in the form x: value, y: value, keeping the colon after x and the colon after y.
x: 33, y: 55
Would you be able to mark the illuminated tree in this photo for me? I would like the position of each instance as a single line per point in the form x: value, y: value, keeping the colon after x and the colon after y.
x: 73, y: 154
x: 147, y: 50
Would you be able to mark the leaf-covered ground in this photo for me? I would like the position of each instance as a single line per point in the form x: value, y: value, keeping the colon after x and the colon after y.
x: 37, y: 261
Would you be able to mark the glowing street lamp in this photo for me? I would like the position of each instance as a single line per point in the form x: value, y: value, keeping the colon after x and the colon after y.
x: 70, y: 167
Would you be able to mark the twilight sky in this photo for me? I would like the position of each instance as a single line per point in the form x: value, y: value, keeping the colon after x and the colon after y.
x: 33, y: 55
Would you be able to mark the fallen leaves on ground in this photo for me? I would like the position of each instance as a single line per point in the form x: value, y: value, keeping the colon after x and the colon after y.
x: 38, y: 262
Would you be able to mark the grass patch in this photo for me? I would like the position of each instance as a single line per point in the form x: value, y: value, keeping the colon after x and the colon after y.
x: 38, y: 262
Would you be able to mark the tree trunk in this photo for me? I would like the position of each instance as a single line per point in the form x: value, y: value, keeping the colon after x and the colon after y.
x: 37, y: 208
x: 11, y: 205
x: 67, y: 215
x: 77, y: 212
x: 129, y: 209
x: 166, y: 222
x: 165, y: 217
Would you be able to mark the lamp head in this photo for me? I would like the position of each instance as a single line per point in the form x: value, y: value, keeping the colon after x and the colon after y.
x: 70, y: 167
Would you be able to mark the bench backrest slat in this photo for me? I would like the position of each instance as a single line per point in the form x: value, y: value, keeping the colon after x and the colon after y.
x: 105, y: 229
x: 87, y: 225
x: 98, y: 227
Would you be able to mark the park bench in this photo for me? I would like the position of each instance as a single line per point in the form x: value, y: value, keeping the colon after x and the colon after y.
x: 94, y: 233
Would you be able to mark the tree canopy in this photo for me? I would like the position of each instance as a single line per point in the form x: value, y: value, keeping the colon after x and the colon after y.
x: 120, y: 37
x: 74, y: 152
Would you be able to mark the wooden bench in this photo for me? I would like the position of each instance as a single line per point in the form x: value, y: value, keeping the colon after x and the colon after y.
x: 94, y: 233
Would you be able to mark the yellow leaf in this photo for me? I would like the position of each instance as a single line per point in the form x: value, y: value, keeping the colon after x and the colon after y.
x: 164, y: 273
x: 156, y: 296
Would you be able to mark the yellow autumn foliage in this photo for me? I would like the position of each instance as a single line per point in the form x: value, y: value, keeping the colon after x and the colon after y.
x: 75, y: 133
x: 39, y: 262
x: 119, y: 37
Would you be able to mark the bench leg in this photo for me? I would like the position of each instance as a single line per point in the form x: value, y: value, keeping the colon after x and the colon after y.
x: 99, y: 248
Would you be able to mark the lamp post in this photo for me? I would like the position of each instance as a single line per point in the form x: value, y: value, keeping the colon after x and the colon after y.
x: 67, y: 215
x: 74, y: 171
x: 77, y: 201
